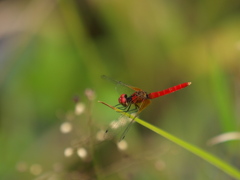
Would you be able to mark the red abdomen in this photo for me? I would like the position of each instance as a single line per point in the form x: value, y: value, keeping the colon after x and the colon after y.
x: 168, y: 91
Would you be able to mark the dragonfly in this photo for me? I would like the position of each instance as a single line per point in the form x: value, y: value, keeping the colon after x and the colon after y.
x: 138, y: 100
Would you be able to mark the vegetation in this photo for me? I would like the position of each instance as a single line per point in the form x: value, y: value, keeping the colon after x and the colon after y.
x: 52, y: 55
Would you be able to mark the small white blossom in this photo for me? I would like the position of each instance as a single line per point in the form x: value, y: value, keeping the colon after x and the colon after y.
x: 79, y: 108
x: 82, y: 152
x: 122, y: 145
x: 36, y: 169
x: 66, y: 127
x: 68, y: 152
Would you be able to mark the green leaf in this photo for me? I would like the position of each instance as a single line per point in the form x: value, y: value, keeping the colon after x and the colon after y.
x: 228, y: 169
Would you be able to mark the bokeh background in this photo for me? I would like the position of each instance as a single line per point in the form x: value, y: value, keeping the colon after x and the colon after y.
x: 52, y: 56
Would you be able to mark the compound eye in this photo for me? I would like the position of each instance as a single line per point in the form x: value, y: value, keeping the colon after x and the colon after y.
x: 123, y: 100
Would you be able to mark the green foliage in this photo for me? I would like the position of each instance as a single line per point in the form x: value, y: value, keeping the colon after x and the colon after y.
x: 52, y: 51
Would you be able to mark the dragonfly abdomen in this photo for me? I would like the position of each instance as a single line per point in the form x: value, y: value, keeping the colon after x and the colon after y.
x: 168, y: 91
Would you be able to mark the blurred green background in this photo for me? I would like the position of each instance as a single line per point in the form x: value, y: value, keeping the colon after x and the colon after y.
x: 51, y: 52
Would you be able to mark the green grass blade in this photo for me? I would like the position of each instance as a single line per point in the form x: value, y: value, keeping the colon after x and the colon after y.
x: 230, y: 170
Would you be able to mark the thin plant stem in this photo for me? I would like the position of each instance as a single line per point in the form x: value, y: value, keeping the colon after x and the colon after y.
x: 227, y: 168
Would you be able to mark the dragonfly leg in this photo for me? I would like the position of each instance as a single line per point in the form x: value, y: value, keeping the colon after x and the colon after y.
x: 136, y: 107
x: 117, y: 105
x: 122, y: 107
x: 127, y: 108
x: 133, y: 110
x: 143, y: 105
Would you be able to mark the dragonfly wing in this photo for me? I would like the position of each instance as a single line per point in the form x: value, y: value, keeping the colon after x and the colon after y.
x: 116, y: 127
x: 134, y: 88
x: 124, y: 123
x: 119, y: 84
x: 142, y: 106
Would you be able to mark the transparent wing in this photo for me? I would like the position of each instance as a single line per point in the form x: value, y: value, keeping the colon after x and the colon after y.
x: 116, y: 128
x: 120, y: 127
x: 121, y: 87
x: 142, y: 106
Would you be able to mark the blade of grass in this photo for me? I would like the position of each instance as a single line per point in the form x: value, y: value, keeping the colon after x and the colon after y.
x: 228, y: 169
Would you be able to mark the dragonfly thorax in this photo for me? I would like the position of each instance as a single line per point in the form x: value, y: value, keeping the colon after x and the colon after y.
x: 123, y: 100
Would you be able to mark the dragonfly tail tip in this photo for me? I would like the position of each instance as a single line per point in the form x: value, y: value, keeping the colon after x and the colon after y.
x: 189, y: 83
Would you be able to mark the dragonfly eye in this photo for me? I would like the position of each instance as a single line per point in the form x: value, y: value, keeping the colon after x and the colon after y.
x: 123, y: 100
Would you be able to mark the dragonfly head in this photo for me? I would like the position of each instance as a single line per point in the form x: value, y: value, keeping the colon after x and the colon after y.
x: 123, y: 100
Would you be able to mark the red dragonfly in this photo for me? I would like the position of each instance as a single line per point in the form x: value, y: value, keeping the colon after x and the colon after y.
x: 139, y: 99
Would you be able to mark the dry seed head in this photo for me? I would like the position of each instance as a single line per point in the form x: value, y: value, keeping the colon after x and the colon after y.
x: 90, y: 94
x: 22, y: 166
x: 66, y: 127
x: 68, y: 152
x: 36, y: 169
x: 79, y: 108
x: 160, y: 165
x: 82, y: 152
x: 100, y: 136
x: 122, y: 145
